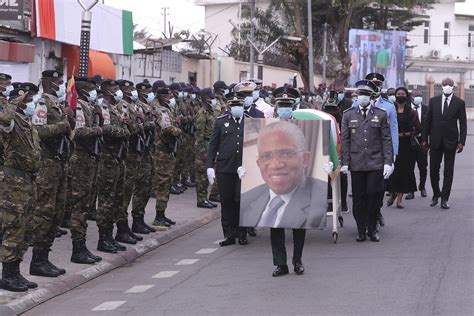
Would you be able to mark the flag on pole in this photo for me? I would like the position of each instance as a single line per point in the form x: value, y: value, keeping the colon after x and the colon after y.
x: 71, y: 95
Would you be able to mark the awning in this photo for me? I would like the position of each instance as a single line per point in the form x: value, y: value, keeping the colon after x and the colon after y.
x: 99, y: 63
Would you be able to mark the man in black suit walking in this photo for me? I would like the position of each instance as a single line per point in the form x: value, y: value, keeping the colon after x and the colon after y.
x: 445, y: 139
x: 421, y: 155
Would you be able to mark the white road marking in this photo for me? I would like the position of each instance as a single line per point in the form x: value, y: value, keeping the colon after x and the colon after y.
x: 108, y: 306
x: 205, y: 251
x: 186, y: 262
x: 139, y: 288
x: 164, y: 274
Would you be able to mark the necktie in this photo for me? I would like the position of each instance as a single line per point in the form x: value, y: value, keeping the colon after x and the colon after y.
x: 269, y: 217
x: 445, y: 106
x: 237, y: 120
x: 416, y: 106
x: 364, y: 114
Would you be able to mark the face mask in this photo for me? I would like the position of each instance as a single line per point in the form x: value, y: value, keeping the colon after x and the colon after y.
x: 248, y: 102
x: 180, y: 94
x: 61, y: 90
x: 285, y: 113
x: 213, y: 104
x: 297, y: 103
x: 118, y: 95
x: 92, y: 96
x: 417, y: 100
x: 447, y: 89
x: 193, y: 96
x: 172, y: 103
x: 36, y: 98
x: 268, y: 100
x: 150, y: 97
x: 125, y: 109
x: 30, y: 109
x: 225, y: 91
x: 401, y: 99
x: 185, y: 94
x: 237, y: 111
x: 7, y: 91
x: 255, y: 95
x: 392, y: 98
x: 134, y: 95
x: 99, y: 101
x: 340, y: 96
x: 62, y: 98
x: 364, y: 100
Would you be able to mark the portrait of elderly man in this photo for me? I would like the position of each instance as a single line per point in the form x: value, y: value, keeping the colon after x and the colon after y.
x: 288, y: 198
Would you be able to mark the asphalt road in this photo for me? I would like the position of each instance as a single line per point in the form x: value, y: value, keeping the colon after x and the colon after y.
x: 424, y: 265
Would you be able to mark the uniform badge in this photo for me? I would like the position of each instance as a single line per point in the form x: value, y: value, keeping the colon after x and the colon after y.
x: 226, y: 124
x: 375, y: 119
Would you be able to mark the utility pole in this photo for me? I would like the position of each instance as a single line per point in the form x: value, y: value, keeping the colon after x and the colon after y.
x: 260, y: 56
x: 310, y: 48
x: 85, y: 38
x: 325, y: 36
x: 164, y: 14
x: 252, y: 37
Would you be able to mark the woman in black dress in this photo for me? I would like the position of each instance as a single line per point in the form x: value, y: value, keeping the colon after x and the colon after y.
x: 403, y: 178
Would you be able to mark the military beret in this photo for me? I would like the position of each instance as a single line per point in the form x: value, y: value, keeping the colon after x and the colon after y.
x: 197, y: 90
x: 286, y: 94
x: 366, y: 85
x: 189, y: 88
x: 5, y: 76
x: 30, y: 87
x: 220, y: 85
x: 183, y: 85
x: 245, y: 86
x: 85, y: 79
x: 175, y: 86
x: 163, y: 91
x: 98, y: 79
x: 125, y: 83
x: 143, y: 85
x: 18, y: 92
x: 159, y: 84
x: 51, y: 74
x: 207, y: 92
x: 16, y: 84
x: 108, y: 83
x: 375, y: 77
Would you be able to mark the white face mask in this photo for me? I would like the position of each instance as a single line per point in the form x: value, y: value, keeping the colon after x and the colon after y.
x: 193, y: 96
x: 447, y: 89
x: 417, y: 100
x: 180, y: 94
x: 36, y: 98
x: 150, y: 97
x: 92, y: 96
x: 364, y: 100
x: 61, y: 90
x: 100, y: 101
x: 134, y: 95
x: 172, y: 103
x: 255, y: 95
x: 7, y: 91
x: 213, y: 104
x: 118, y: 95
x: 30, y: 109
x: 185, y: 94
x: 392, y: 98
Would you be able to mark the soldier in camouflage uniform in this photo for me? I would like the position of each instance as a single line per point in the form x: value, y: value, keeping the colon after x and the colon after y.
x: 167, y: 134
x: 54, y: 125
x: 5, y: 89
x: 189, y: 130
x: 142, y: 191
x: 83, y: 163
x: 179, y: 112
x: 17, y: 187
x: 136, y: 144
x: 221, y: 89
x: 204, y: 126
x: 111, y: 176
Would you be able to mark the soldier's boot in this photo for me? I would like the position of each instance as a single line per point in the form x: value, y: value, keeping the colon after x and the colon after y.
x: 60, y: 270
x: 139, y: 227
x: 170, y: 221
x: 29, y: 284
x: 10, y: 280
x: 180, y: 186
x: 90, y: 254
x: 174, y: 190
x: 104, y: 243
x: 151, y: 229
x: 39, y: 264
x: 66, y: 223
x: 123, y: 234
x: 111, y: 239
x: 92, y: 215
x: 79, y: 255
x: 189, y: 183
x: 160, y: 220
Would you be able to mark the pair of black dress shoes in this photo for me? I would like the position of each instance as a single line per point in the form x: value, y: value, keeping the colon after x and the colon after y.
x: 231, y: 241
x: 372, y: 236
x: 283, y: 269
x: 206, y: 204
x: 444, y: 203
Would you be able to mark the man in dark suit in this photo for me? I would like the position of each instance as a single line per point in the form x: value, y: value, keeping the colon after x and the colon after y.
x: 225, y: 154
x: 441, y: 132
x: 421, y: 155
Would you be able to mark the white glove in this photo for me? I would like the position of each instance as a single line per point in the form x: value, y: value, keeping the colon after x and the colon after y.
x: 387, y: 171
x: 394, y: 158
x: 328, y: 167
x: 241, y: 172
x: 211, y: 175
x: 345, y: 169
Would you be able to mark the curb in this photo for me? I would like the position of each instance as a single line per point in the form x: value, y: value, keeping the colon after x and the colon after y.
x: 70, y: 282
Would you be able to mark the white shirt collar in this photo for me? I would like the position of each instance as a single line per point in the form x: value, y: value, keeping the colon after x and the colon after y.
x: 367, y: 108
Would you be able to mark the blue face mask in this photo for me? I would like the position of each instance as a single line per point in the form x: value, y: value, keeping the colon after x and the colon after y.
x: 30, y: 109
x: 340, y: 96
x: 172, y: 103
x: 248, y: 102
x: 285, y: 113
x: 237, y: 111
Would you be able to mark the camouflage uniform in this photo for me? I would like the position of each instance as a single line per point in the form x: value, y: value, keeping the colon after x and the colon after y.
x: 167, y: 134
x: 17, y: 184
x: 52, y: 176
x: 111, y: 176
x: 204, y: 126
x: 180, y: 113
x: 82, y: 165
x: 188, y: 133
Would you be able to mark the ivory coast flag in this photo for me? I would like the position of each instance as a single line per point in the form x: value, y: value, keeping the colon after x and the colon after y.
x: 334, y: 137
x: 60, y: 20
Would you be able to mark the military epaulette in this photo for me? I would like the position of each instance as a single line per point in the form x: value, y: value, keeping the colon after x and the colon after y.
x: 351, y: 108
x: 226, y: 115
x: 247, y: 115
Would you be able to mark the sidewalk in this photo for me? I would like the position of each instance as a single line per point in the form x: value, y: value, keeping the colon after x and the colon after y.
x: 181, y: 208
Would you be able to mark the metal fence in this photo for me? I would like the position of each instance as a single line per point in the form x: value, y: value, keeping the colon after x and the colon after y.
x: 469, y: 97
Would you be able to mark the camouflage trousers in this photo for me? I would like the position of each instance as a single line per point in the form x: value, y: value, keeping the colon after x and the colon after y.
x: 48, y: 214
x: 81, y: 171
x: 92, y: 198
x: 201, y: 172
x: 18, y: 197
x: 142, y: 191
x: 111, y: 185
x: 190, y: 157
x: 133, y: 163
x: 164, y: 164
x: 179, y: 166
